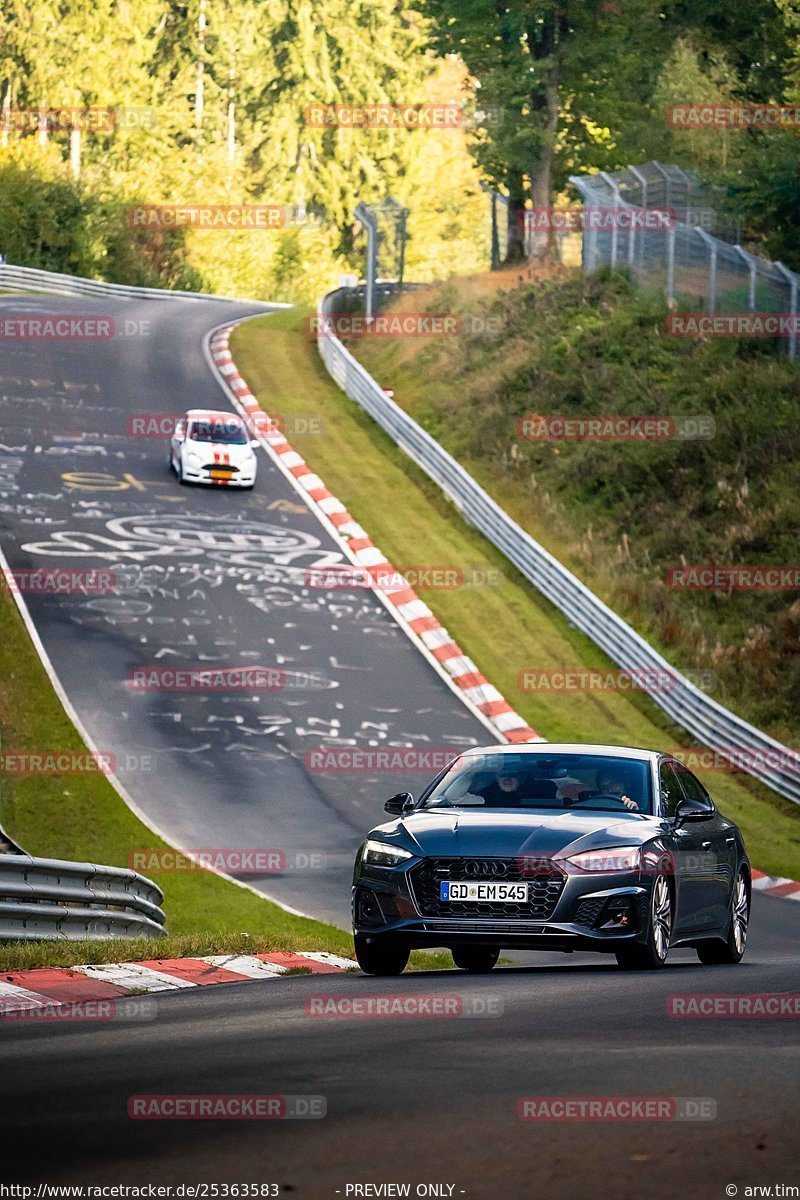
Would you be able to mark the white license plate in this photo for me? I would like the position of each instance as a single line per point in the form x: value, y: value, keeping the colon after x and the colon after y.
x: 484, y: 893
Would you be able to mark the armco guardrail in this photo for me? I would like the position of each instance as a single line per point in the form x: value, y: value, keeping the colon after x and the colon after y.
x: 708, y: 722
x: 31, y: 279
x: 45, y: 899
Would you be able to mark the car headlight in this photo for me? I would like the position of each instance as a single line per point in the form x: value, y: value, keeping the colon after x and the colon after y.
x: 614, y: 858
x: 194, y: 457
x: 381, y: 854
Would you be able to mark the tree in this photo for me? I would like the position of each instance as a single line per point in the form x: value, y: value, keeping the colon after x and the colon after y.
x: 534, y: 62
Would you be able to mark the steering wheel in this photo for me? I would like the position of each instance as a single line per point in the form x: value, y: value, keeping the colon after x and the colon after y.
x: 585, y: 797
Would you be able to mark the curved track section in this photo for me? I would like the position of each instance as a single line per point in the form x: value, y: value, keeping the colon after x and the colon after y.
x: 202, y: 577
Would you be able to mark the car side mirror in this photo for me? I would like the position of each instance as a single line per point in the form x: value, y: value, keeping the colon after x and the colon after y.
x: 693, y: 810
x: 399, y: 803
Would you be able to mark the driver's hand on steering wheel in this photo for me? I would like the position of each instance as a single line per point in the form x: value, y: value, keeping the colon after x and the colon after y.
x: 626, y: 800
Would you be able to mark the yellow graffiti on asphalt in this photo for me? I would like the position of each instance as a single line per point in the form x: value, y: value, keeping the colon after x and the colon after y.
x: 99, y: 481
x: 287, y: 506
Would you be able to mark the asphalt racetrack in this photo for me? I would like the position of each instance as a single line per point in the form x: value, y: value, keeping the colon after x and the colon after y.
x: 429, y: 1099
x: 204, y: 578
x: 217, y: 577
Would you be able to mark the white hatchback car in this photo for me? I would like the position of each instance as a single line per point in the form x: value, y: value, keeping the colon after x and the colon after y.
x: 213, y: 447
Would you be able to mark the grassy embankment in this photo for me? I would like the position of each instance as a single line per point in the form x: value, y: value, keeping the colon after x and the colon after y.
x: 504, y: 628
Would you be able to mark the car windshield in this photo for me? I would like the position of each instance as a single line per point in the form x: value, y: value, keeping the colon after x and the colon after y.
x: 576, y: 782
x: 230, y: 432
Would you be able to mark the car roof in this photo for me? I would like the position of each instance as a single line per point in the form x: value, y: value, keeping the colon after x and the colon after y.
x: 547, y: 749
x: 211, y: 414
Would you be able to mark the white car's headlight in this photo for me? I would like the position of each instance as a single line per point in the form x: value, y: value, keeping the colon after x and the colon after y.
x: 381, y: 854
x: 193, y: 457
x: 615, y: 858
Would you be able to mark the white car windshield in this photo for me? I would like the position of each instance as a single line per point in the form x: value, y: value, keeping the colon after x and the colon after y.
x: 228, y: 432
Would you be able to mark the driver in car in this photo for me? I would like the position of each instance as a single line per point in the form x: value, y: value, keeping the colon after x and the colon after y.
x: 505, y: 789
x: 610, y: 783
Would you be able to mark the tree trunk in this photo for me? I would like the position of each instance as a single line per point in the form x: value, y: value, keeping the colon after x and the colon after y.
x: 495, y: 251
x: 75, y: 152
x: 515, y: 233
x: 543, y: 246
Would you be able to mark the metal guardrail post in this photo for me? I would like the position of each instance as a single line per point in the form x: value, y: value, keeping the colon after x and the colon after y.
x: 370, y: 222
x: 32, y: 279
x: 47, y: 899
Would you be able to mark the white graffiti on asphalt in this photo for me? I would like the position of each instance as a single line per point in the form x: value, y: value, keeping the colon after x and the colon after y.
x: 243, y: 543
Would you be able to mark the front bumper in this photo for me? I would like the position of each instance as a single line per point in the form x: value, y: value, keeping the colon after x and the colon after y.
x: 241, y: 478
x: 594, y: 911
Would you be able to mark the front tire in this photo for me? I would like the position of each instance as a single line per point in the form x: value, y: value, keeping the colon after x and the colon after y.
x: 652, y: 954
x: 731, y: 951
x: 478, y: 960
x: 381, y: 956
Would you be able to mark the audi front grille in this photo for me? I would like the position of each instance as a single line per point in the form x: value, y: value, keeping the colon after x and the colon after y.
x: 544, y: 887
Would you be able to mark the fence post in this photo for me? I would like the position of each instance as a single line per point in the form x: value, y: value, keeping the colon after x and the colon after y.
x: 712, y: 267
x: 751, y: 286
x: 793, y: 280
x: 670, y: 265
x: 604, y: 175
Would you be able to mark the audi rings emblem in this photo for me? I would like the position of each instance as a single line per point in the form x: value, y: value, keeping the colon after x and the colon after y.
x: 487, y: 867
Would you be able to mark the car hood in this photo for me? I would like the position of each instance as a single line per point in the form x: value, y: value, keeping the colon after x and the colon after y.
x: 460, y: 833
x: 222, y: 452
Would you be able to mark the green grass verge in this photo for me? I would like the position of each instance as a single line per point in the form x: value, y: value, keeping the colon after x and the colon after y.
x: 82, y: 818
x: 504, y: 628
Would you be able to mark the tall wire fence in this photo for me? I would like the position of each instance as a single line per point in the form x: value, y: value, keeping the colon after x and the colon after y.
x: 695, y: 268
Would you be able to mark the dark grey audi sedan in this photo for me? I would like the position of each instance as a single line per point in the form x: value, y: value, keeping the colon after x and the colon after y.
x: 553, y: 847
